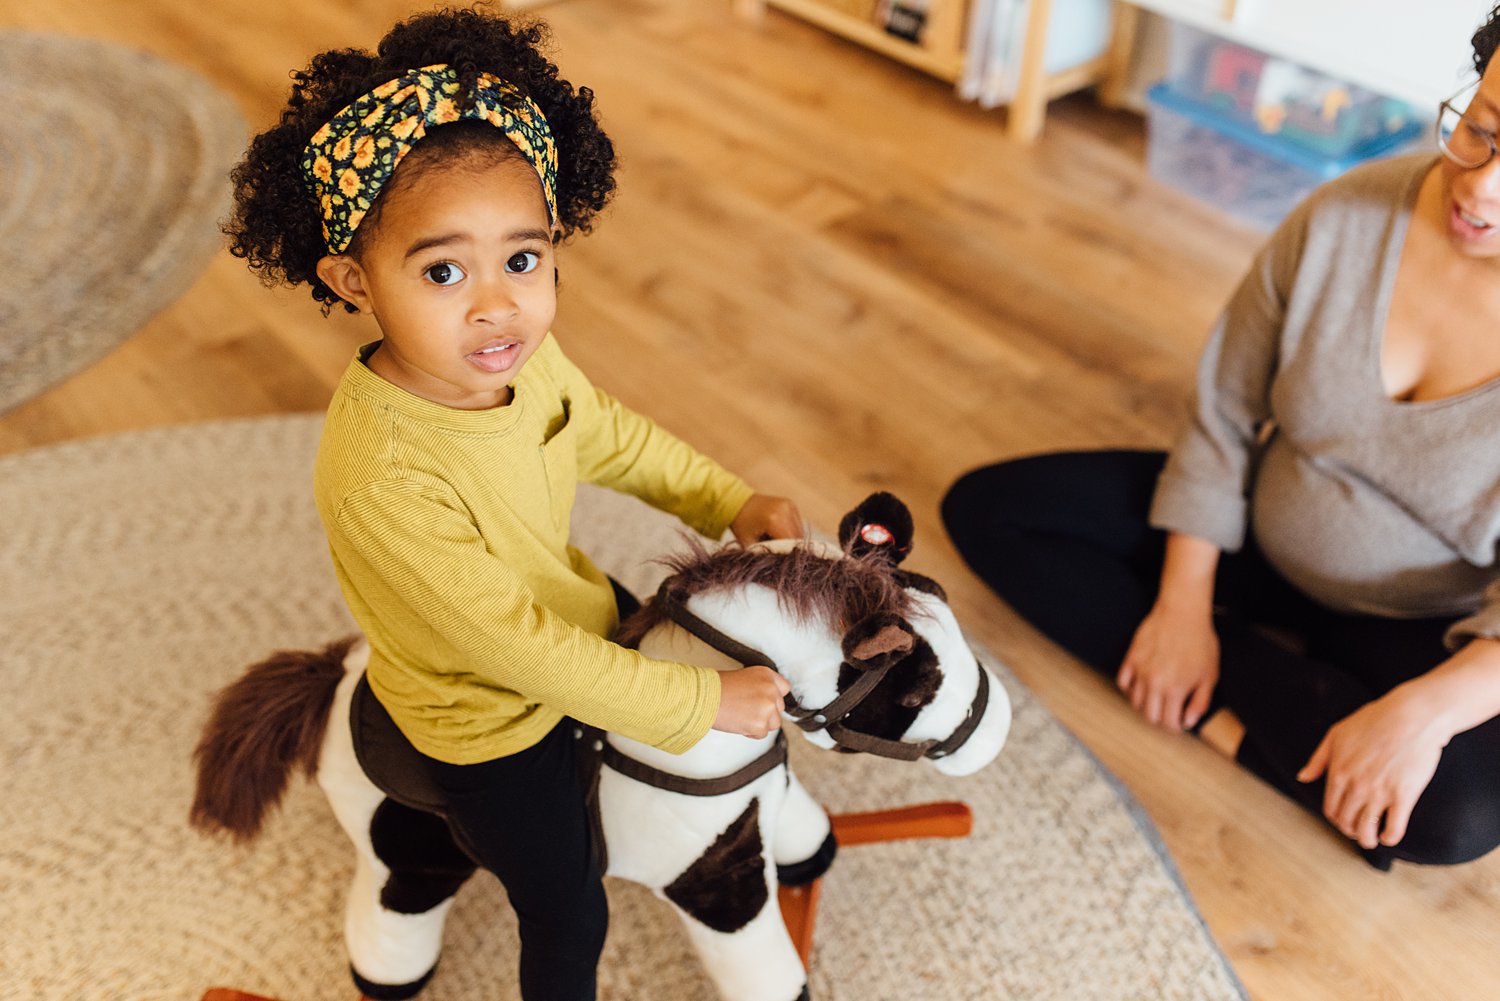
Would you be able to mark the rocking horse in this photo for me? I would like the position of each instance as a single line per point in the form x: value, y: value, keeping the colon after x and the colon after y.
x: 876, y: 662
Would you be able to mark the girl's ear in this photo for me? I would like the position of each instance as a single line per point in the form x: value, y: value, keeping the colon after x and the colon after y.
x: 343, y: 274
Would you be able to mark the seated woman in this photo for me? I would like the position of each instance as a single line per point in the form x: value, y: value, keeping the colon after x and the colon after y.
x: 1316, y: 557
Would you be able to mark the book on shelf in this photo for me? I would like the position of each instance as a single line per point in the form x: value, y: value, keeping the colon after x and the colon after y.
x: 992, y: 60
x: 1077, y: 32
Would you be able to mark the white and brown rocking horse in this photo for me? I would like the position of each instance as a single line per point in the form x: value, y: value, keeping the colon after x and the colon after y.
x: 876, y: 663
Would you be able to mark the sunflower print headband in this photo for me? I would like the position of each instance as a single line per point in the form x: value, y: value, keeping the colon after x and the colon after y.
x: 349, y: 160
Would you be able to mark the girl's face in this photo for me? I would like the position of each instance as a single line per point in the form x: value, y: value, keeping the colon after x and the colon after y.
x: 1471, y: 196
x: 460, y: 275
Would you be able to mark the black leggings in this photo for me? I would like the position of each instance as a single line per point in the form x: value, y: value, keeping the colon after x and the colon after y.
x: 524, y: 818
x: 1064, y: 540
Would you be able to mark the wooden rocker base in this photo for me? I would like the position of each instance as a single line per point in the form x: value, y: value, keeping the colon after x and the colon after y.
x: 799, y: 904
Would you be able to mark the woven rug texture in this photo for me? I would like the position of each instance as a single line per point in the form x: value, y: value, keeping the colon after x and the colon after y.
x: 139, y: 573
x: 116, y: 173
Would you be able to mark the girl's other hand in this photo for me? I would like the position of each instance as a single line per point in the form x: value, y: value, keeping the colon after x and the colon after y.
x: 751, y: 701
x: 1172, y: 666
x: 1377, y: 760
x: 766, y: 517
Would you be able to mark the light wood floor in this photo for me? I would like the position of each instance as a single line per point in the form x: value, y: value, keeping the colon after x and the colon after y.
x: 826, y: 272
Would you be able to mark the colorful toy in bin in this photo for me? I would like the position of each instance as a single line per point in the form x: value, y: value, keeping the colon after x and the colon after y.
x: 1228, y: 160
x: 1232, y: 75
x: 1319, y: 113
x: 1308, y: 109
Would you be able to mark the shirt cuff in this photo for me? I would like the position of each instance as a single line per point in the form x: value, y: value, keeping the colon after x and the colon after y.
x: 1483, y: 624
x: 731, y: 499
x: 1200, y: 510
x: 710, y: 693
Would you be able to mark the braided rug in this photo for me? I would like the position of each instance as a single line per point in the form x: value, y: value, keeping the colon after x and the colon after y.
x: 114, y: 166
x: 141, y: 572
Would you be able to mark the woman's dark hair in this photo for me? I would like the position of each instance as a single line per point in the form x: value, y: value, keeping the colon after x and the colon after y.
x: 1486, y: 40
x: 276, y: 226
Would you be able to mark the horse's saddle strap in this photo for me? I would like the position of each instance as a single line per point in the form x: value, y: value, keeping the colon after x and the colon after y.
x: 678, y: 612
x: 774, y: 757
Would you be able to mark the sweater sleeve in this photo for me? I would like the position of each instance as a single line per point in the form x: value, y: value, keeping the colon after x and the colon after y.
x: 1203, y: 489
x: 621, y: 449
x: 1483, y: 624
x: 446, y: 604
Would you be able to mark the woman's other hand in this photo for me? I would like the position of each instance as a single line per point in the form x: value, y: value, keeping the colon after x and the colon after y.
x: 1377, y: 761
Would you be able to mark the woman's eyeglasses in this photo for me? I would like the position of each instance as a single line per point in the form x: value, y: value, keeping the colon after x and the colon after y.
x: 1458, y: 136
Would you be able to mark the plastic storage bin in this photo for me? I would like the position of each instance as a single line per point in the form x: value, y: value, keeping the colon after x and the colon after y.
x: 1277, y: 97
x: 1230, y: 162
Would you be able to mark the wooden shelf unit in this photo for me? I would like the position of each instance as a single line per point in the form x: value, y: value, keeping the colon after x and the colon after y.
x: 941, y: 51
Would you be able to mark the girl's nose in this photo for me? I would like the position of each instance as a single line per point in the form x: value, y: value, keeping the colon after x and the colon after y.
x: 493, y: 302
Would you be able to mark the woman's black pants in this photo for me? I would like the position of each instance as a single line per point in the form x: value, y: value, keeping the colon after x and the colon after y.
x: 1064, y: 540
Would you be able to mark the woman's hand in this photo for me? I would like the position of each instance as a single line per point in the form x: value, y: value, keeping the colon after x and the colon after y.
x: 766, y: 517
x: 1377, y: 761
x: 1172, y: 666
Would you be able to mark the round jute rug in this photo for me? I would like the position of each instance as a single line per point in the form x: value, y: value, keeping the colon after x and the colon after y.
x: 115, y: 167
x: 139, y: 573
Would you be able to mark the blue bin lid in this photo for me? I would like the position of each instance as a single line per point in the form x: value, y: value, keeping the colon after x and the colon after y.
x: 1248, y: 135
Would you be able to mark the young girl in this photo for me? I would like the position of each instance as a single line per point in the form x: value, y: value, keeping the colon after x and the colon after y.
x: 427, y: 185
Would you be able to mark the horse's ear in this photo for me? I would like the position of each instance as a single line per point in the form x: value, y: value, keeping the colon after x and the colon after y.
x: 881, y: 524
x: 878, y: 642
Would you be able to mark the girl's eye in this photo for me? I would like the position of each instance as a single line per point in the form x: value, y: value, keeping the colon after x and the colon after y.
x: 523, y: 263
x: 445, y: 274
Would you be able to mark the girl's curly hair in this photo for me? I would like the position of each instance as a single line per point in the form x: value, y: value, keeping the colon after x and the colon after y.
x: 276, y: 226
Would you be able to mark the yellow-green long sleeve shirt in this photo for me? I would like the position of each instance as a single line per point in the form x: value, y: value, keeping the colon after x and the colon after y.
x: 449, y: 535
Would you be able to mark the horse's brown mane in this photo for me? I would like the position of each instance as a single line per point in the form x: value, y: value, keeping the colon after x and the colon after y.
x: 844, y: 590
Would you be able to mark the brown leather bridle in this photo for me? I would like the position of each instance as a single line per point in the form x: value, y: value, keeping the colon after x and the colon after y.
x: 830, y: 717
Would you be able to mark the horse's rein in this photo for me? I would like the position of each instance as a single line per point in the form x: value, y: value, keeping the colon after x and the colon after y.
x: 829, y: 718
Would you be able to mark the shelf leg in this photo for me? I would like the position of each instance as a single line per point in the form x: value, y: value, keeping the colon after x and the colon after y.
x: 1029, y: 107
x: 1127, y: 19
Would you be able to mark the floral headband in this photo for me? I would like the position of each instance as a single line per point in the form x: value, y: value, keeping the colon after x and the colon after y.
x: 348, y: 161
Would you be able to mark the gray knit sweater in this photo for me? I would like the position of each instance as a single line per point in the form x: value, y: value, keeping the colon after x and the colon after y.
x: 1364, y: 503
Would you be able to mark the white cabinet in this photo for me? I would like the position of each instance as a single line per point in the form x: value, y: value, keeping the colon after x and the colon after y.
x: 1414, y: 50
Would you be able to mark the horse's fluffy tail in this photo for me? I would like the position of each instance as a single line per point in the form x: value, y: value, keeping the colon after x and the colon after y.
x: 264, y: 725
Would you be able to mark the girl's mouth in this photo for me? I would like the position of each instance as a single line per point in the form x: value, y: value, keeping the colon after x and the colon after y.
x: 496, y: 357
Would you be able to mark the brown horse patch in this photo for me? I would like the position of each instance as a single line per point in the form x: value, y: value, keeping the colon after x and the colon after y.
x: 726, y: 886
